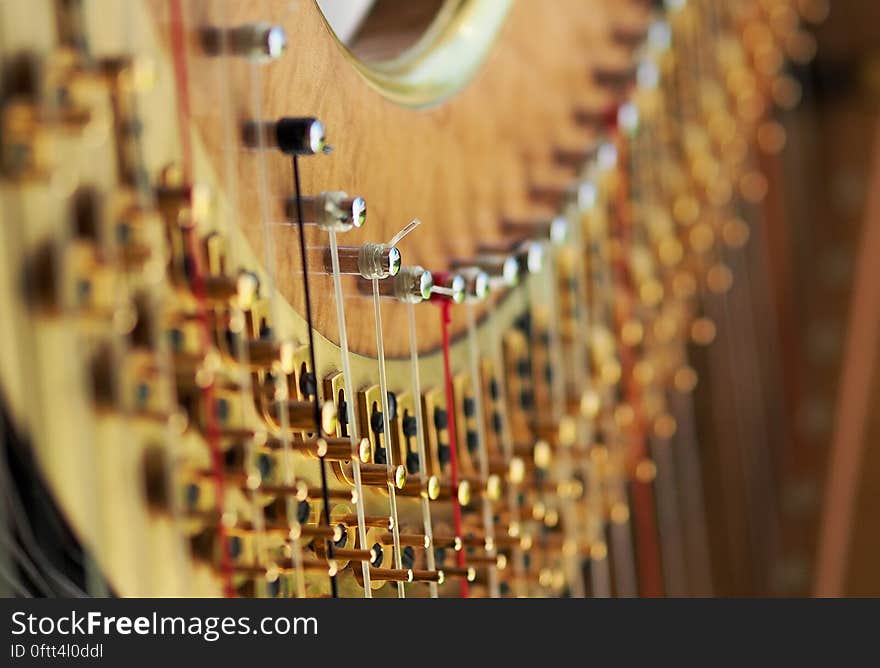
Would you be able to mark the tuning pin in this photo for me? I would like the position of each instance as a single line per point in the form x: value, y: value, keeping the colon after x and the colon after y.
x: 529, y: 254
x: 410, y: 539
x: 469, y: 572
x: 430, y: 489
x: 465, y: 284
x: 256, y: 41
x: 487, y: 560
x: 222, y: 288
x: 320, y: 566
x: 554, y: 230
x: 629, y: 35
x: 368, y: 261
x: 454, y: 543
x: 501, y: 270
x: 598, y: 117
x: 616, y: 76
x: 560, y: 197
x: 345, y: 555
x: 373, y: 522
x: 429, y: 576
x: 303, y: 492
x: 577, y: 194
x: 552, y: 195
x: 332, y: 533
x: 293, y: 136
x: 175, y: 198
x: 385, y: 575
x: 448, y: 286
x: 440, y: 490
x: 377, y: 475
x: 335, y: 449
x: 573, y: 158
x: 477, y: 486
x: 276, y: 511
x: 476, y: 284
x: 301, y: 415
x: 411, y: 285
x: 265, y: 353
x: 329, y: 210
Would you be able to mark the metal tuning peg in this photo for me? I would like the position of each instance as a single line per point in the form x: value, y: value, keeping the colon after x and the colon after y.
x: 293, y: 136
x: 328, y: 210
x: 555, y: 230
x: 411, y: 285
x: 368, y: 261
x: 502, y: 271
x: 529, y: 254
x: 254, y: 41
x: 301, y: 415
x: 573, y: 158
x: 615, y: 76
x: 448, y: 286
x: 476, y: 284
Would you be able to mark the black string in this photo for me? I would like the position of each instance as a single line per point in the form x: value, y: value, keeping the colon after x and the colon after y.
x: 305, y: 267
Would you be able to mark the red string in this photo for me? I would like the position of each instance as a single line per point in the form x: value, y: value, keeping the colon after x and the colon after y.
x: 445, y: 318
x: 212, y: 429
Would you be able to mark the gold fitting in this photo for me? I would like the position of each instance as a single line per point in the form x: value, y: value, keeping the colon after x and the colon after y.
x: 365, y: 451
x: 399, y: 477
x: 433, y: 488
x: 464, y: 493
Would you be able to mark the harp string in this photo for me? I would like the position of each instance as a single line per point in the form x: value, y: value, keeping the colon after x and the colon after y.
x: 279, y: 379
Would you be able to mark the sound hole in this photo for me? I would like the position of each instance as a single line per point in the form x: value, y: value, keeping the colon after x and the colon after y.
x: 380, y: 30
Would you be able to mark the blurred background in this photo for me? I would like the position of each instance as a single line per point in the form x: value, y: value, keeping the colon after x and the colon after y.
x: 826, y: 289
x: 792, y: 483
x: 784, y: 417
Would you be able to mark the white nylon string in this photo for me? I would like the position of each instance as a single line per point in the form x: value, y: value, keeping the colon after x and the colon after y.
x: 420, y: 444
x: 386, y: 425
x: 409, y: 227
x: 349, y: 407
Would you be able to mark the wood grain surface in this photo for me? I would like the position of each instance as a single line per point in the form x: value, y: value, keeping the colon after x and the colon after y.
x: 461, y: 166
